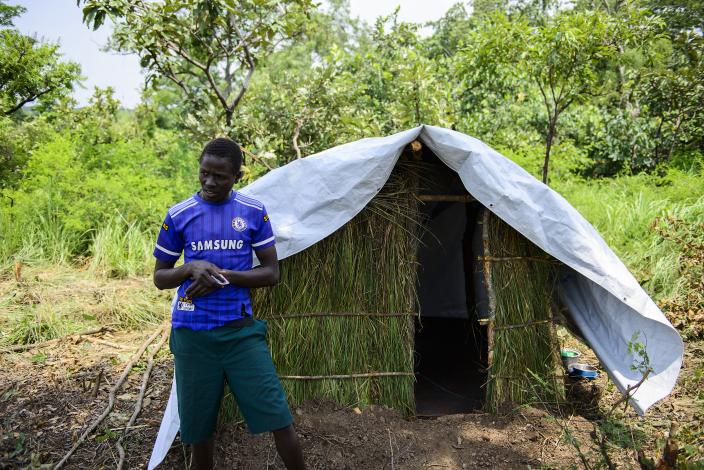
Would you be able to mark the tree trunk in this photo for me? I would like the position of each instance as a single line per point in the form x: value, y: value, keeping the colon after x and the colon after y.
x: 678, y: 124
x: 548, y: 146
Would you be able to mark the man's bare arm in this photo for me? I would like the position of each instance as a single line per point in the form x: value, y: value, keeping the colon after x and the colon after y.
x: 267, y: 274
x: 202, y: 272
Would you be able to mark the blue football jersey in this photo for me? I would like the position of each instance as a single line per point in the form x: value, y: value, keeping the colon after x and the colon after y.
x: 224, y: 234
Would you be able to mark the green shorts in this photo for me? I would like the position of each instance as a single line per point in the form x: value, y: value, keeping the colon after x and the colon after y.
x: 205, y: 358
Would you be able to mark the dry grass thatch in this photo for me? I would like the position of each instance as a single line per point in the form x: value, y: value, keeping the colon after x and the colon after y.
x: 525, y: 358
x: 368, y: 268
x: 365, y: 267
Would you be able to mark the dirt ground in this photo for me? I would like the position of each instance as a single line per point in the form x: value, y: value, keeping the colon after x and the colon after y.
x: 45, y: 406
x: 47, y: 399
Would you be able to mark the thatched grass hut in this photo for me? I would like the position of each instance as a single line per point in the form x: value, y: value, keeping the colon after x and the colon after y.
x: 424, y: 302
x: 429, y: 278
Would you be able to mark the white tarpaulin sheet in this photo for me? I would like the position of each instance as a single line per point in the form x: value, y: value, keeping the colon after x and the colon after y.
x: 310, y: 198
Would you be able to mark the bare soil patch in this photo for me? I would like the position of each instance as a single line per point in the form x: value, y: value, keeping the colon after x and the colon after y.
x: 48, y: 398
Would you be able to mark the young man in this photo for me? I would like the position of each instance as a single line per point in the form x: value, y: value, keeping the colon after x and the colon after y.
x: 214, y: 337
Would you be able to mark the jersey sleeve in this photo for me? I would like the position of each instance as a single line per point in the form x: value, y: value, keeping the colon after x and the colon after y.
x: 263, y: 236
x: 169, y: 243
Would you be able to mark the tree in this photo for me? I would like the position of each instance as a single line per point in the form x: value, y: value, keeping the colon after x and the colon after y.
x: 30, y: 69
x: 562, y: 58
x: 7, y: 12
x: 208, y: 48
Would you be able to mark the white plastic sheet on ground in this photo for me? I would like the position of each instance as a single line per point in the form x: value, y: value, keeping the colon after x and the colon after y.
x: 310, y: 198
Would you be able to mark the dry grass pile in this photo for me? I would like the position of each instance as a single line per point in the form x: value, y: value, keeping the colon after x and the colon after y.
x: 45, y: 304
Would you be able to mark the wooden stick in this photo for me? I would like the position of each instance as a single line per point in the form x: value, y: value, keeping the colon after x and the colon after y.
x: 140, y: 398
x: 256, y: 158
x: 96, y: 387
x: 349, y: 376
x: 445, y: 198
x: 341, y: 314
x: 516, y: 258
x: 489, y: 289
x: 625, y: 396
x: 522, y: 377
x: 104, y: 343
x: 296, y: 133
x: 111, y: 398
x: 41, y: 344
x: 522, y: 325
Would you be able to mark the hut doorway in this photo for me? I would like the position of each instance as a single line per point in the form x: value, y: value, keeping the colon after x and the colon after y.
x: 450, y: 346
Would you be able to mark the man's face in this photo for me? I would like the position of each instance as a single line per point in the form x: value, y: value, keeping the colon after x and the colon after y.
x: 217, y: 176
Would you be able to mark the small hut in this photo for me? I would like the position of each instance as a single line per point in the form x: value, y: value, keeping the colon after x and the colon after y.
x: 425, y: 271
x: 424, y: 301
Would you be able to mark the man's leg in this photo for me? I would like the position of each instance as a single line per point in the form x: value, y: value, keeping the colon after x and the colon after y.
x: 203, y: 454
x: 260, y: 397
x: 289, y: 448
x: 199, y: 383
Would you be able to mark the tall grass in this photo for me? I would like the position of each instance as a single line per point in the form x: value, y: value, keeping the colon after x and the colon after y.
x: 367, y: 266
x: 121, y: 249
x: 35, y: 238
x: 51, y: 302
x: 117, y: 249
x: 627, y: 212
x: 524, y: 290
x: 37, y: 323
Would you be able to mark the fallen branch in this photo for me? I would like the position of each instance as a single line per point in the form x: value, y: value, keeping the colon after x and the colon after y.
x: 624, y: 399
x: 103, y: 342
x: 140, y: 398
x: 41, y: 344
x: 629, y: 391
x: 111, y: 398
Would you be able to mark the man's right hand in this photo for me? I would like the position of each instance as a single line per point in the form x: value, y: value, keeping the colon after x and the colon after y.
x: 201, y: 273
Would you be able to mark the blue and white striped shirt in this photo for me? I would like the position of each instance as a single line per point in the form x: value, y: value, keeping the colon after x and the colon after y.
x: 224, y: 234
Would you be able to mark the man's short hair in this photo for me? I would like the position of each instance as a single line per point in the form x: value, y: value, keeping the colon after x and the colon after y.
x: 223, y: 147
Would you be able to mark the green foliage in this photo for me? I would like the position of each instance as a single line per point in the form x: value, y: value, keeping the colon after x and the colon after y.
x: 8, y: 12
x: 560, y: 56
x: 641, y: 361
x: 208, y: 49
x: 90, y: 185
x: 120, y: 249
x: 651, y: 222
x: 77, y: 182
x: 30, y: 69
x: 36, y: 324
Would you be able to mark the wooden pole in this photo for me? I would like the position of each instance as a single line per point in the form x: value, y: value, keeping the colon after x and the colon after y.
x: 445, y: 198
x: 340, y: 314
x: 523, y: 325
x: 489, y: 289
x: 347, y: 376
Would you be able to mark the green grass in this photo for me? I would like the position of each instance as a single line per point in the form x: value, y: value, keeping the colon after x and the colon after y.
x: 655, y: 225
x: 121, y: 249
x: 37, y: 323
